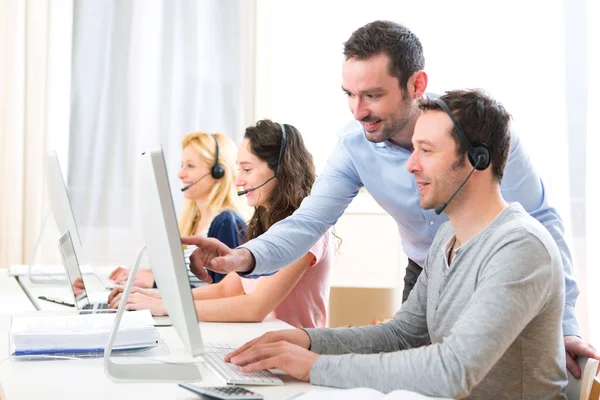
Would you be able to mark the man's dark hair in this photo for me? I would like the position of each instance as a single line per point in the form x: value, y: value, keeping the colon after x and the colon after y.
x: 394, y: 40
x: 483, y: 121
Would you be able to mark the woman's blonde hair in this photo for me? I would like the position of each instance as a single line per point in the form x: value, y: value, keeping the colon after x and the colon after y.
x: 223, y: 195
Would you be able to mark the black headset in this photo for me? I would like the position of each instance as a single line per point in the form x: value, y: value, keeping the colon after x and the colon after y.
x: 217, y: 171
x: 479, y: 155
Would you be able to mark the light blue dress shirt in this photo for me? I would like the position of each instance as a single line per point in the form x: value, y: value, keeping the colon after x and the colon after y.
x: 381, y: 168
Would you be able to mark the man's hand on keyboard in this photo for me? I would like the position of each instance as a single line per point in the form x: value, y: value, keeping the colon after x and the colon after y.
x: 143, y: 278
x: 294, y: 336
x: 290, y: 358
x: 286, y: 350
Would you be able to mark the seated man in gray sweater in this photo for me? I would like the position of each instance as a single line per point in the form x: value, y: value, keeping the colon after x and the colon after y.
x: 484, y: 319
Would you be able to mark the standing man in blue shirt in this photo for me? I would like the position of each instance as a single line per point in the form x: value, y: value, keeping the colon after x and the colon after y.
x: 383, y: 78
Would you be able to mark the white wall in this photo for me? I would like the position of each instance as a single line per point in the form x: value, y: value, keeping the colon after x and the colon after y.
x: 576, y: 90
x: 513, y: 49
x: 504, y: 47
x: 592, y: 181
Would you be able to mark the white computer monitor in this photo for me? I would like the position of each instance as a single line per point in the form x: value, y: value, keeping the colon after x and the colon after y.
x: 165, y: 252
x: 60, y: 205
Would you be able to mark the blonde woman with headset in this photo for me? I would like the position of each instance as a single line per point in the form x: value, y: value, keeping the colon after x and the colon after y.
x: 211, y: 206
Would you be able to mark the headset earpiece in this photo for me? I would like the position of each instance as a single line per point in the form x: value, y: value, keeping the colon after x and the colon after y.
x: 217, y: 171
x: 479, y: 156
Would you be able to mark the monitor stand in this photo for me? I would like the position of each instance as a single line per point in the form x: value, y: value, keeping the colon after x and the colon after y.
x: 135, y: 372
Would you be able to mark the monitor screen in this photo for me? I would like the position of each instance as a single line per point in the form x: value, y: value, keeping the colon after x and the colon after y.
x: 67, y: 252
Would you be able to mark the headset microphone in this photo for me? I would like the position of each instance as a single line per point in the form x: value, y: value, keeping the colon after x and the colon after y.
x: 183, y: 189
x: 243, y: 192
x: 441, y: 208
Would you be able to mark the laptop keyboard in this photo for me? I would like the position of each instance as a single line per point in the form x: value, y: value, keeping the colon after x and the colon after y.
x: 96, y: 306
x: 214, y: 353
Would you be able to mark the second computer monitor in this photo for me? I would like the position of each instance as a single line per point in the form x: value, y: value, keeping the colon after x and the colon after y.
x: 60, y: 204
x: 165, y: 251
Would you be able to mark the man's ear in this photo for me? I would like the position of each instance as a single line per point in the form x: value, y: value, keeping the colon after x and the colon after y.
x: 417, y: 84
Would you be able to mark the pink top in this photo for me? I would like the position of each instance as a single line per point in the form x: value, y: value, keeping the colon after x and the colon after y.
x: 306, y: 305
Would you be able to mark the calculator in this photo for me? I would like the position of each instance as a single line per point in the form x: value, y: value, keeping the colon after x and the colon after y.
x: 223, y: 392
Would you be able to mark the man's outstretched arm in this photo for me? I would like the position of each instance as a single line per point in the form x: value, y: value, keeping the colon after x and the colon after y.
x: 289, y: 239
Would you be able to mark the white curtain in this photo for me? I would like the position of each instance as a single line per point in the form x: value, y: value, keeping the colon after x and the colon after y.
x: 147, y: 73
x: 35, y: 65
x: 592, y: 281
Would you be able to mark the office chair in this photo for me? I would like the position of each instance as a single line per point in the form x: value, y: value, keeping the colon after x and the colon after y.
x: 588, y: 387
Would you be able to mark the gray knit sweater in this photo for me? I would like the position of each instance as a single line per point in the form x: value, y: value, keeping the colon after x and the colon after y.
x: 486, y: 327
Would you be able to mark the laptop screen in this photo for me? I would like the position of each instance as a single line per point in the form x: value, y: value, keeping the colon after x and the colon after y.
x: 71, y: 264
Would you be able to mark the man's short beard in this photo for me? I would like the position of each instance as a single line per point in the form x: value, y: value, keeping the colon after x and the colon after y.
x: 388, y: 133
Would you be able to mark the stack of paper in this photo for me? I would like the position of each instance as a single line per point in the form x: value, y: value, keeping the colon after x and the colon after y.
x: 75, y: 333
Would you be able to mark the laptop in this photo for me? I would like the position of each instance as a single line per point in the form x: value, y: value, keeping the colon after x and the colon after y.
x: 80, y: 295
x: 76, y: 283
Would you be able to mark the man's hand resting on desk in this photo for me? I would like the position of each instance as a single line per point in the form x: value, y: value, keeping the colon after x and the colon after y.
x: 143, y: 278
x: 577, y: 347
x: 216, y: 256
x: 285, y: 350
x: 139, y: 299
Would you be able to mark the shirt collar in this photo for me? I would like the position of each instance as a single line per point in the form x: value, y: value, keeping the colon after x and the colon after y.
x: 390, y: 145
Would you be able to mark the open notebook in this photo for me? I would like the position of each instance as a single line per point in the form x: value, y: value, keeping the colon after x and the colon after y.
x: 73, y: 333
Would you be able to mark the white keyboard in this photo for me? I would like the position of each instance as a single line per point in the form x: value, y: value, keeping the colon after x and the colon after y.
x: 214, y: 353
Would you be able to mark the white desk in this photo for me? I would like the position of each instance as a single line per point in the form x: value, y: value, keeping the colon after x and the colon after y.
x: 12, y: 302
x: 57, y: 287
x: 70, y: 379
x: 66, y: 379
